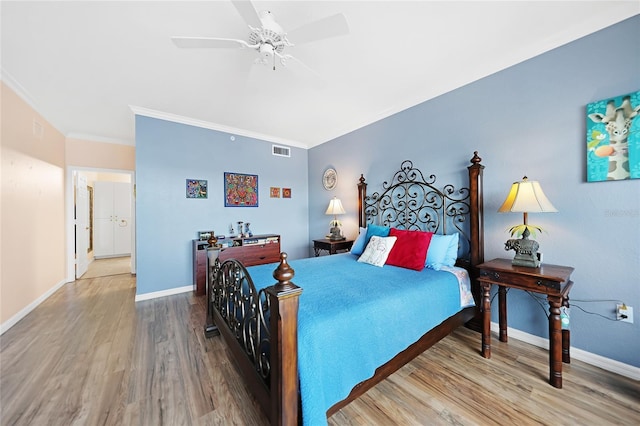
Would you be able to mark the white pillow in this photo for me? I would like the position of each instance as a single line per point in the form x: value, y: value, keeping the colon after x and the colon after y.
x: 377, y: 250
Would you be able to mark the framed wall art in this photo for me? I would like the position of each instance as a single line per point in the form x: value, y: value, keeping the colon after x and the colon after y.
x: 275, y: 192
x: 240, y: 190
x: 286, y: 192
x: 196, y: 188
x: 613, y: 138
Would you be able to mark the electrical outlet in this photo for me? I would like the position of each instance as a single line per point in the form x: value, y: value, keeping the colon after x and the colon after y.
x: 624, y: 313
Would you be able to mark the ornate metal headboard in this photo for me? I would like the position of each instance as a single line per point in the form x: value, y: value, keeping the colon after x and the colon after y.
x: 411, y: 201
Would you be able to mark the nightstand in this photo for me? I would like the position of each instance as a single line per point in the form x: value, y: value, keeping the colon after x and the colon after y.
x: 331, y: 246
x: 552, y: 280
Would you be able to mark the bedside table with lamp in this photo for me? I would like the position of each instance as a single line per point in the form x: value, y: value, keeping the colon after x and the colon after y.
x: 335, y: 241
x: 525, y: 272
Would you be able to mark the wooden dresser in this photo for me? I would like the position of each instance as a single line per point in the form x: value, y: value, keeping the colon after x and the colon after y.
x: 251, y: 251
x: 255, y: 250
x: 200, y: 266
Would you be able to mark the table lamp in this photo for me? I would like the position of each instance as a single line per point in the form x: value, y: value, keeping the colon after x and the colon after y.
x: 525, y: 197
x: 335, y: 208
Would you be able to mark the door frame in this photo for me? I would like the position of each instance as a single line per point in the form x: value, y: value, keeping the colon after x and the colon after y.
x: 82, y: 232
x: 70, y: 215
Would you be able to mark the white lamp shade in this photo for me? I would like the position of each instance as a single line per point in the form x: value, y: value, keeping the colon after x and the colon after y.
x: 526, y: 196
x: 335, y: 207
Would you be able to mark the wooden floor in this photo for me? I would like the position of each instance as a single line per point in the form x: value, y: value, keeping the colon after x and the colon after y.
x: 89, y: 355
x: 108, y: 266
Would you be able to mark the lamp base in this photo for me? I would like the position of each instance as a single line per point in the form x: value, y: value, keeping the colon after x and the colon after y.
x: 526, y: 252
x: 335, y: 234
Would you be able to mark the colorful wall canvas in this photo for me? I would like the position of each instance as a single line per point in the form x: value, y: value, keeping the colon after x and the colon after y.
x: 240, y: 190
x: 613, y: 138
x: 196, y: 188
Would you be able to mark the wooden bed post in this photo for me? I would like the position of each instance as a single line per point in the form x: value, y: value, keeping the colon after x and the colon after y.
x: 477, y: 235
x: 477, y: 213
x: 362, y: 193
x: 283, y: 298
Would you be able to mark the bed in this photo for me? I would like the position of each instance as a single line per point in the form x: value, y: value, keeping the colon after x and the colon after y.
x: 307, y: 349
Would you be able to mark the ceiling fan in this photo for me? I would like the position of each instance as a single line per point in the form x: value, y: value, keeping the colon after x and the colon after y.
x: 267, y: 37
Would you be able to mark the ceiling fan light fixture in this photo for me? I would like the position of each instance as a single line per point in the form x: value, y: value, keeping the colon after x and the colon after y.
x: 266, y: 50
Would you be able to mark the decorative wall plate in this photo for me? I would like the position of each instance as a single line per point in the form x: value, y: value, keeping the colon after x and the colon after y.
x: 329, y: 179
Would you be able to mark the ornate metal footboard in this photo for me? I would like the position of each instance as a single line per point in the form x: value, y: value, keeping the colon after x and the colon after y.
x: 264, y: 350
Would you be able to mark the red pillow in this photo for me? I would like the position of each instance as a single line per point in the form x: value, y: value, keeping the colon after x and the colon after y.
x: 410, y: 249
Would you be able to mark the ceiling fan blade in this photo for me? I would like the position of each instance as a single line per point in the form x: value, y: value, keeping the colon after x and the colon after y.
x: 208, y: 42
x: 331, y: 26
x: 248, y: 12
x: 316, y: 80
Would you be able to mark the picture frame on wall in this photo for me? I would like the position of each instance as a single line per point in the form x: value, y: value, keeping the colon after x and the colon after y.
x: 613, y: 138
x: 240, y: 190
x: 196, y: 188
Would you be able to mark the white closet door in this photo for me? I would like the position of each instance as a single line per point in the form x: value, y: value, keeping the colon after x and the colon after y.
x: 122, y: 218
x: 112, y: 219
x: 102, y: 236
x: 103, y: 200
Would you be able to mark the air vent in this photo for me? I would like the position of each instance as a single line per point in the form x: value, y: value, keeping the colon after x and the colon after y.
x: 281, y: 151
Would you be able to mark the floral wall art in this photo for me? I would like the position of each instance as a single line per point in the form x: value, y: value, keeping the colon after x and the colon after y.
x: 196, y: 188
x: 240, y: 190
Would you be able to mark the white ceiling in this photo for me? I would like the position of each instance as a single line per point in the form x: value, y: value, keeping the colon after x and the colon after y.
x: 86, y: 66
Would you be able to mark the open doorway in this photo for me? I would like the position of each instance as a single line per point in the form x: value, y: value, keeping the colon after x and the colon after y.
x: 100, y: 222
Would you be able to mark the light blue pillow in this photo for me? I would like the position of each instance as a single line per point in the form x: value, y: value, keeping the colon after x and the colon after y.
x: 377, y: 230
x: 359, y: 244
x: 443, y: 251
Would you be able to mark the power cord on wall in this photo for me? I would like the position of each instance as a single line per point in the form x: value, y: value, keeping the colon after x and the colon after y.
x: 542, y: 303
x: 573, y: 304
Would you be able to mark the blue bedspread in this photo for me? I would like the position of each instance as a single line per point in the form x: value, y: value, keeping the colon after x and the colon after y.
x: 354, y: 317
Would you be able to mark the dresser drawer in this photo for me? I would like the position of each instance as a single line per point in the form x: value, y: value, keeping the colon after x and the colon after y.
x: 253, y: 254
x: 517, y: 280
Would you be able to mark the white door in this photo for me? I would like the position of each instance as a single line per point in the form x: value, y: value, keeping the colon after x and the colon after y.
x: 82, y: 226
x: 112, y: 219
x: 102, y: 219
x: 122, y: 218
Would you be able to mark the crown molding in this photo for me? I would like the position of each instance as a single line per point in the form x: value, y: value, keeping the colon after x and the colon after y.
x: 175, y: 118
x: 93, y: 138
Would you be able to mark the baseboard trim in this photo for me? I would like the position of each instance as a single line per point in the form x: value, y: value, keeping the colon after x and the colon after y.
x: 30, y: 307
x: 163, y: 293
x: 608, y: 364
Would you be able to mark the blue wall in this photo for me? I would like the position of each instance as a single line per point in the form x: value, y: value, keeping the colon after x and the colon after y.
x: 167, y: 154
x: 529, y: 120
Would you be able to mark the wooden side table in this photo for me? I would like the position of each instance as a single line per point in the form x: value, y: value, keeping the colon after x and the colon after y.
x: 331, y: 246
x: 552, y: 280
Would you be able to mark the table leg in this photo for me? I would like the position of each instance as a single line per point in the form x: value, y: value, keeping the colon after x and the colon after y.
x: 566, y: 344
x: 502, y: 312
x: 316, y: 251
x: 555, y: 341
x: 486, y: 319
x: 566, y: 338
